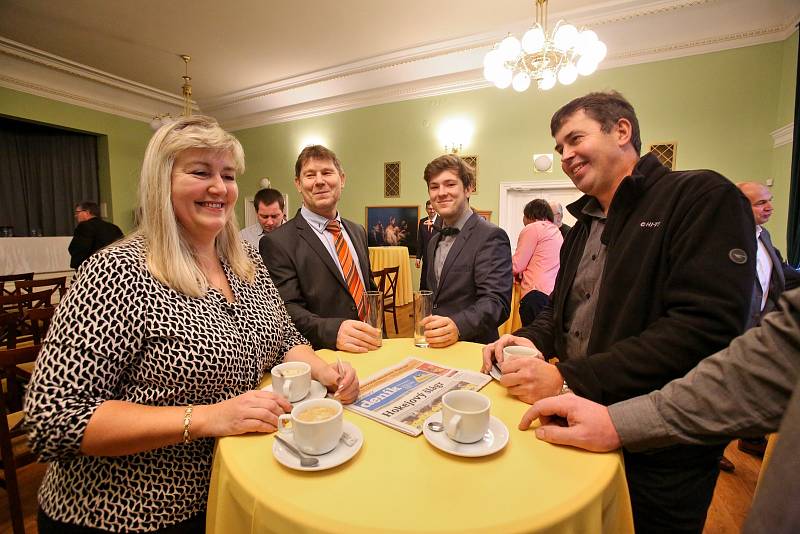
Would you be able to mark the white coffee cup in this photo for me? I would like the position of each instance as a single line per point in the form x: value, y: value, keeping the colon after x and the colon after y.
x: 318, y: 433
x: 512, y: 352
x: 292, y: 380
x: 465, y: 415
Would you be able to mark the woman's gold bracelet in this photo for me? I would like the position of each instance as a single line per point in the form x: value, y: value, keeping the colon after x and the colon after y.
x: 187, y: 420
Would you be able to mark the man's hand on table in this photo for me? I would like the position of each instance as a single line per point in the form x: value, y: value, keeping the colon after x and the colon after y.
x: 589, y: 424
x: 357, y: 336
x: 440, y: 331
x: 494, y: 351
x: 530, y: 379
x: 344, y: 386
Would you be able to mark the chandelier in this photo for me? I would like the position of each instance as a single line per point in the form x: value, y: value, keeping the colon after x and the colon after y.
x: 165, y: 118
x: 543, y: 57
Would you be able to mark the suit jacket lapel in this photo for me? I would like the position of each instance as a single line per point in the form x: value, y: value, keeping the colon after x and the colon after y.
x: 455, y: 250
x: 777, y: 280
x: 430, y: 270
x: 309, y: 235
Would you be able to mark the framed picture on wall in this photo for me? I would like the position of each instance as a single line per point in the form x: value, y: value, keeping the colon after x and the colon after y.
x: 392, y: 226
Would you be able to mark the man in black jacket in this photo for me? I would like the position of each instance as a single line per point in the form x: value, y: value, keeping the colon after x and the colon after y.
x: 91, y: 234
x: 655, y: 275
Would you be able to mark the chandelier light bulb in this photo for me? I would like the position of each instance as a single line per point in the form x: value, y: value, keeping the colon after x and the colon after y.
x: 548, y: 80
x: 521, y: 81
x: 546, y: 57
x: 533, y: 40
x: 502, y: 78
x: 599, y: 51
x: 492, y: 59
x: 510, y: 48
x: 565, y: 37
x: 568, y: 74
x: 586, y: 65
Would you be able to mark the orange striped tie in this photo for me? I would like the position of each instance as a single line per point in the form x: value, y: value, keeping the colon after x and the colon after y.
x: 354, y: 285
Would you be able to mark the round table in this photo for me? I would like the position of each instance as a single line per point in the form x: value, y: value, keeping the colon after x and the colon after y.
x: 398, y: 483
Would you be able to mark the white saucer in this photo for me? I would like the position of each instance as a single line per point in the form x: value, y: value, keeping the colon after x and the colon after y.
x: 337, y: 456
x: 495, y: 372
x: 316, y: 391
x: 495, y: 439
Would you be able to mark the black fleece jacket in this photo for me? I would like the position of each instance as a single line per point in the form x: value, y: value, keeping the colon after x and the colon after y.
x: 676, y: 286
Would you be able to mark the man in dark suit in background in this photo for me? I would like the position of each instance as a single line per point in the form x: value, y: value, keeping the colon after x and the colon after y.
x: 558, y: 218
x: 469, y: 267
x: 319, y: 261
x: 91, y: 234
x: 772, y: 276
x: 428, y: 227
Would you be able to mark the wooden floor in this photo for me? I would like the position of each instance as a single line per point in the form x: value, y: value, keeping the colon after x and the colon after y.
x: 732, y: 496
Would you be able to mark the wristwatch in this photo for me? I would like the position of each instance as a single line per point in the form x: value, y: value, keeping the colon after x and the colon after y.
x: 564, y: 388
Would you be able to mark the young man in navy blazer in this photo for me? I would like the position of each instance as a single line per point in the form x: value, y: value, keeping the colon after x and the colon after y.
x: 469, y: 261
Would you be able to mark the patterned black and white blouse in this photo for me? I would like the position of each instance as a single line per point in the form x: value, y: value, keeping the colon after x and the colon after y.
x: 120, y: 334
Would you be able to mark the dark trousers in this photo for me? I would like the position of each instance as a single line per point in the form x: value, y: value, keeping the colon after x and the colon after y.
x: 671, y: 490
x: 531, y: 304
x: 193, y: 525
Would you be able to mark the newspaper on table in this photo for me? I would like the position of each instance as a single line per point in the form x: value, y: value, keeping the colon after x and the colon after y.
x: 405, y: 395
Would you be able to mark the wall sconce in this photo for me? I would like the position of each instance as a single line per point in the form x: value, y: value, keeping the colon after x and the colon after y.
x: 542, y: 163
x: 455, y: 134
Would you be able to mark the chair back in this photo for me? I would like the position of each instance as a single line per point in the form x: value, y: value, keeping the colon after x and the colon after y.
x: 10, y: 428
x: 390, y: 285
x: 379, y: 277
x: 58, y: 283
x: 12, y: 278
x: 15, y: 326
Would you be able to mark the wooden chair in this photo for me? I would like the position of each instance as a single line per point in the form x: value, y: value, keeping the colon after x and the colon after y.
x: 15, y: 306
x: 58, y: 283
x: 14, y: 452
x: 389, y: 288
x: 12, y: 278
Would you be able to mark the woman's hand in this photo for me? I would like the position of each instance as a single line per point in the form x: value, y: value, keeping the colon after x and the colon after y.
x: 254, y: 411
x: 344, y: 385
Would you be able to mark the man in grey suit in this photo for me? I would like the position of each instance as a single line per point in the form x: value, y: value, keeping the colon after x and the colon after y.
x: 469, y: 259
x: 319, y: 261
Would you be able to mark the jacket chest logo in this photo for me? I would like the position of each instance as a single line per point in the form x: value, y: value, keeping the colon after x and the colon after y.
x: 650, y: 224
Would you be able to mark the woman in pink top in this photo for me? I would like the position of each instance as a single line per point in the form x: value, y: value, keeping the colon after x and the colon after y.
x: 536, y: 258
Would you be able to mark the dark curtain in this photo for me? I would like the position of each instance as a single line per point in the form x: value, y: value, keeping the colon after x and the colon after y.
x: 44, y: 172
x: 793, y: 228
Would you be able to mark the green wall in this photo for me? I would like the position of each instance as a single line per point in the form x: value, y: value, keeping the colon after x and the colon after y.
x: 121, y: 144
x: 720, y: 108
x: 782, y: 156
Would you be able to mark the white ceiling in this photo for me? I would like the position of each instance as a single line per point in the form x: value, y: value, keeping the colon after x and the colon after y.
x: 256, y: 62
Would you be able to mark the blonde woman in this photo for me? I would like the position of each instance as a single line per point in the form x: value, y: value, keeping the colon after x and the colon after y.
x: 158, y: 348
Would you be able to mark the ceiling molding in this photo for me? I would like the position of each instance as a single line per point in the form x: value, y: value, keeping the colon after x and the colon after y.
x: 433, y: 69
x: 783, y: 136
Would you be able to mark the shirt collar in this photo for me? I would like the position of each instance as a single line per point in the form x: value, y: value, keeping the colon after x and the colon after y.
x: 316, y: 221
x: 593, y: 209
x: 759, y: 229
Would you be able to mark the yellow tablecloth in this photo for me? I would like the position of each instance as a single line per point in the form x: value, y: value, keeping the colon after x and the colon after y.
x: 514, y: 322
x: 382, y: 257
x: 398, y: 483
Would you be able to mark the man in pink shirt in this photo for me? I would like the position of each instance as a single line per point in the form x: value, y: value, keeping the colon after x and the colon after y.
x: 536, y: 258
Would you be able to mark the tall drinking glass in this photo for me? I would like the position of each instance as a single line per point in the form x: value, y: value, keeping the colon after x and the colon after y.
x: 374, y: 316
x: 423, y: 306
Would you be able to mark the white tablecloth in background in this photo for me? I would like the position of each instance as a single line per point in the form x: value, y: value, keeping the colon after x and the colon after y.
x: 34, y: 254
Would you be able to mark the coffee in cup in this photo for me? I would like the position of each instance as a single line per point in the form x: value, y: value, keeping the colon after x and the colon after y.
x: 465, y: 415
x: 292, y: 380
x: 316, y: 425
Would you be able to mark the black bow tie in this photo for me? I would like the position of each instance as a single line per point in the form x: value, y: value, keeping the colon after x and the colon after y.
x: 449, y: 230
